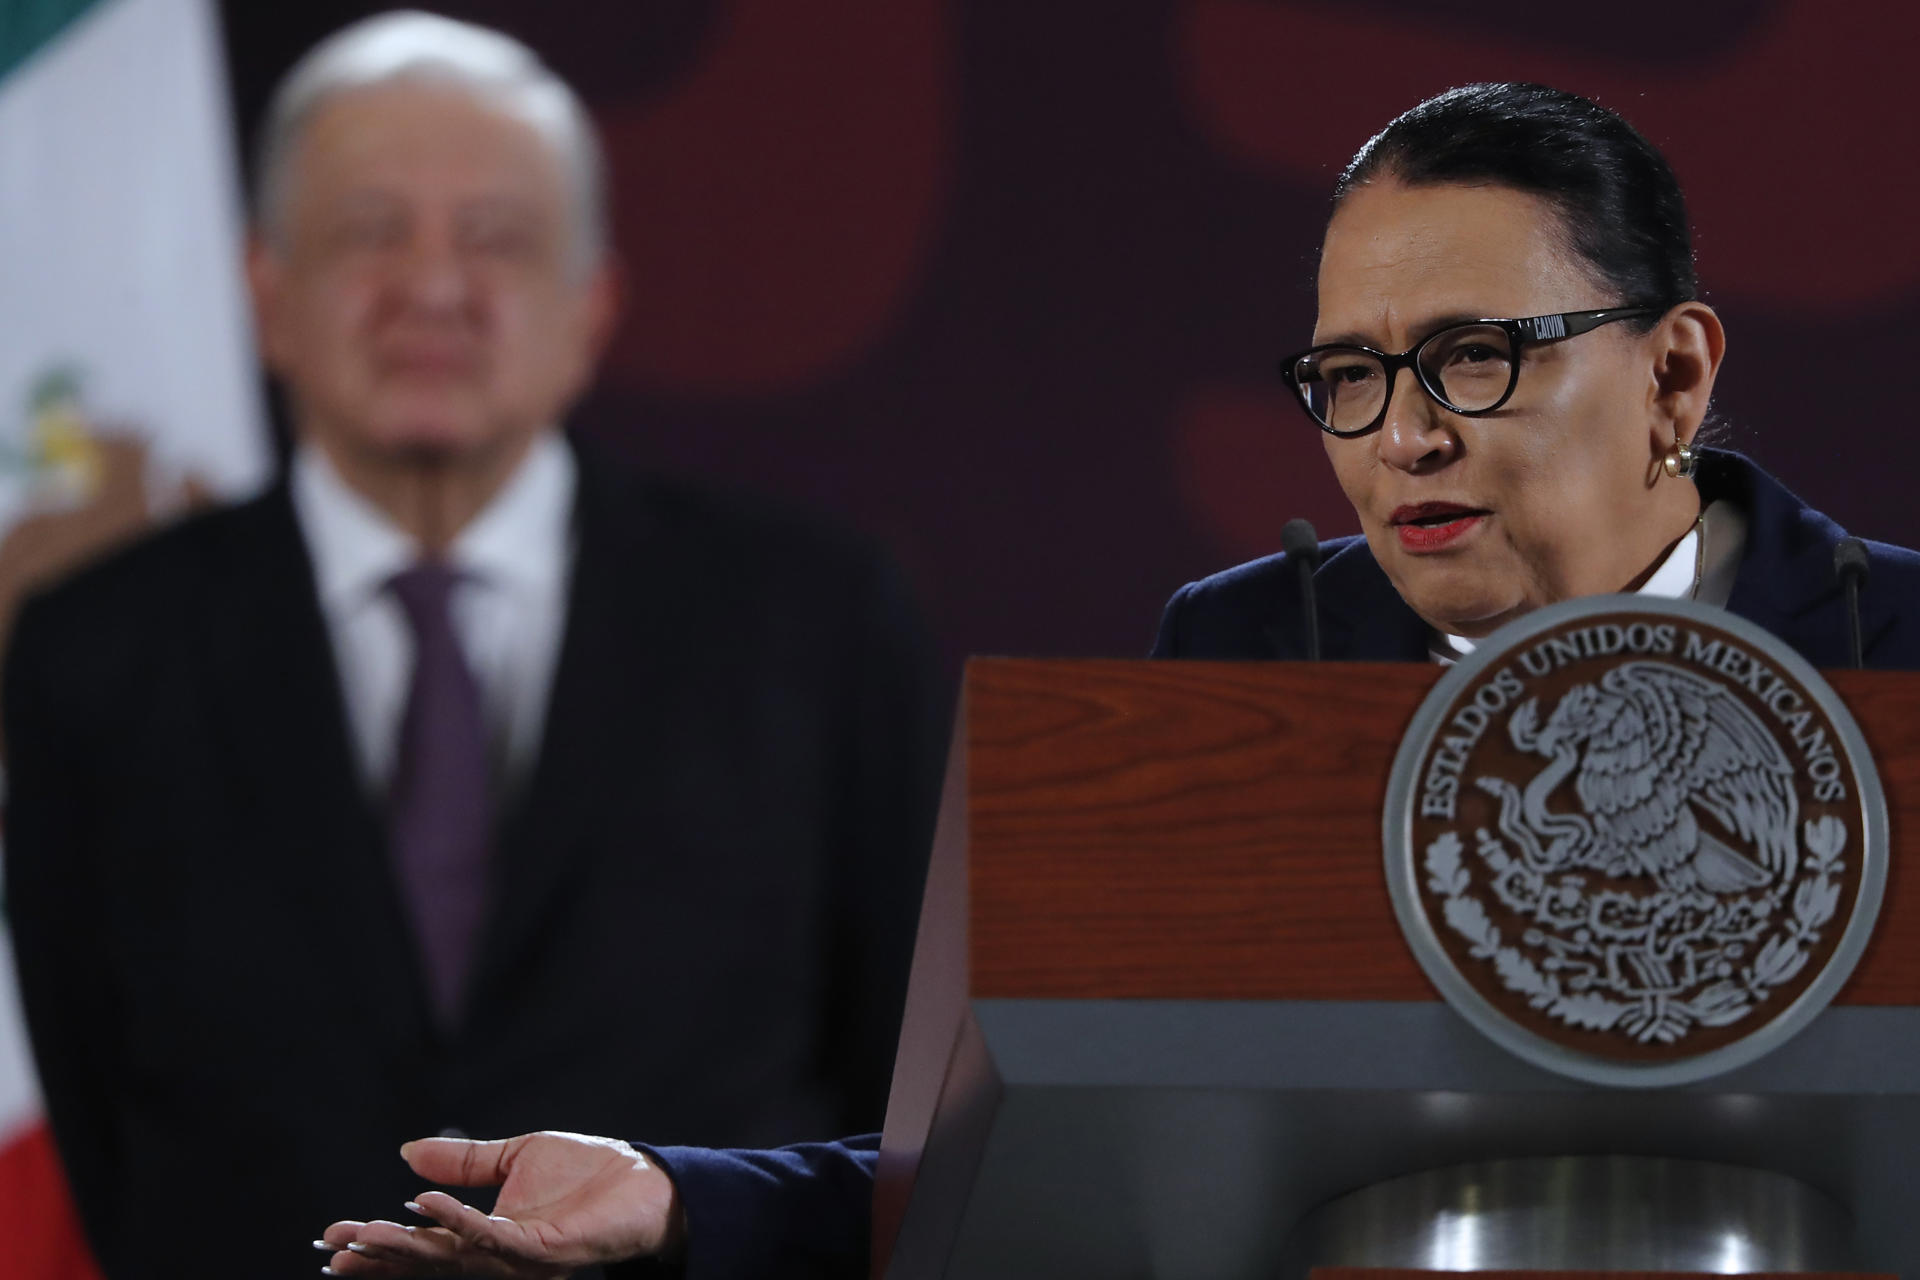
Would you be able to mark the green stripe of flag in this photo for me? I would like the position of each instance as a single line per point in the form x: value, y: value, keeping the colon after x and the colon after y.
x: 28, y: 25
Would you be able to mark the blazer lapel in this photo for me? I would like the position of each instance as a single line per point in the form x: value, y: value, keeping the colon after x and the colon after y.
x: 1362, y: 617
x: 281, y: 722
x: 1786, y: 581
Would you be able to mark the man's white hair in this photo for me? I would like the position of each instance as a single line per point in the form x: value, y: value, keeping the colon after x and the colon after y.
x: 409, y: 46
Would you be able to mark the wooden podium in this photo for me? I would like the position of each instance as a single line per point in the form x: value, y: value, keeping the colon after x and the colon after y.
x: 1161, y: 1009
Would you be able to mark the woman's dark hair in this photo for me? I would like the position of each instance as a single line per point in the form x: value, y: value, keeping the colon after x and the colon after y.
x: 1616, y: 196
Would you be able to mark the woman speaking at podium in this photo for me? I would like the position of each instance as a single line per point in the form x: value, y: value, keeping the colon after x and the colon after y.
x: 1510, y: 367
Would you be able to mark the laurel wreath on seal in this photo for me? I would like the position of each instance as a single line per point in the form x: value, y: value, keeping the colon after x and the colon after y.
x: 1662, y: 1017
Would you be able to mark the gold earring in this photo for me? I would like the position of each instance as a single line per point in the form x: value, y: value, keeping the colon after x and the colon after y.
x: 1681, y: 460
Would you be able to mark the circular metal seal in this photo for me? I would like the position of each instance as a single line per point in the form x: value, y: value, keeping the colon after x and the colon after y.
x: 1637, y: 842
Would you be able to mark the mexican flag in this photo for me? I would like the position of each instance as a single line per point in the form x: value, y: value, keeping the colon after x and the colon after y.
x: 127, y: 383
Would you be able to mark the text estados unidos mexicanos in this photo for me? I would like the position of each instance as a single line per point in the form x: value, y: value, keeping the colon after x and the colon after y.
x: 1441, y: 786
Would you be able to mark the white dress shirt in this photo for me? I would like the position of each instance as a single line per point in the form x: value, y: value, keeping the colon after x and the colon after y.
x: 1701, y: 566
x: 509, y: 608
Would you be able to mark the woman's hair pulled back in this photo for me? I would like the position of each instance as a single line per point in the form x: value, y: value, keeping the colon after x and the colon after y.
x: 1616, y: 196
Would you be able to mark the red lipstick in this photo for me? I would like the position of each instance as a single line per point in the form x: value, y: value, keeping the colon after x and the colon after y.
x: 1434, y: 526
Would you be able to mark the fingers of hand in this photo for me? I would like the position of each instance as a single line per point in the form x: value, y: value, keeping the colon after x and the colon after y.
x: 354, y: 1264
x: 457, y: 1162
x: 390, y: 1249
x: 492, y: 1235
x: 387, y: 1240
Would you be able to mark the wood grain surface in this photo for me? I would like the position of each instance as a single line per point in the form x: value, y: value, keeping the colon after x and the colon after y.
x: 1202, y: 830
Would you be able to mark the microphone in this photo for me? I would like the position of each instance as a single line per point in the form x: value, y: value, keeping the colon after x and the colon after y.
x: 1302, y: 546
x: 1850, y: 563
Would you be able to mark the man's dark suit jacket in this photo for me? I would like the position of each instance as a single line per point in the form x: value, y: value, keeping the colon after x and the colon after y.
x: 706, y: 893
x: 805, y: 1212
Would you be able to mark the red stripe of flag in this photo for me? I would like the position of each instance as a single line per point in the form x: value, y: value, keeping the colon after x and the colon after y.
x: 37, y: 1218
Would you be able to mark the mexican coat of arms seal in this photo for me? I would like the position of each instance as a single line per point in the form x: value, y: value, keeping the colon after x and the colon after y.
x: 1638, y: 842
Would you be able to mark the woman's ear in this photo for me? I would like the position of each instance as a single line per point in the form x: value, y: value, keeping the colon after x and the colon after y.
x: 1687, y: 350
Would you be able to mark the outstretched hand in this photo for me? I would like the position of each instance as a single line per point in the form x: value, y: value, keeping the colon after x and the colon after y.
x: 566, y: 1201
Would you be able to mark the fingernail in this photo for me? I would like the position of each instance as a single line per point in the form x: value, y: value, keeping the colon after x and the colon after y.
x: 412, y: 1207
x: 356, y: 1247
x: 328, y: 1271
x: 324, y: 1247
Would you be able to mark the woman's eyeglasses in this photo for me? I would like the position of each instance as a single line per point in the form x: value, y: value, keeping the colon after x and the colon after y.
x: 1469, y: 368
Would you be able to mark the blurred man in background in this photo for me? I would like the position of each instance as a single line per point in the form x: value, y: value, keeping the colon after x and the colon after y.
x: 580, y: 798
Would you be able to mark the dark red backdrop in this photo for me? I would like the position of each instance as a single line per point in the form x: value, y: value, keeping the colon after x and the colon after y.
x: 1002, y: 281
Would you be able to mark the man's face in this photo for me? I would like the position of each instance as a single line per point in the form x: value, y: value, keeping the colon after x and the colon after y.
x: 424, y: 297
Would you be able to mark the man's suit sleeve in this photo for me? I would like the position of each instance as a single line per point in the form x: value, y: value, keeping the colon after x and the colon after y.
x: 798, y: 1213
x: 62, y: 948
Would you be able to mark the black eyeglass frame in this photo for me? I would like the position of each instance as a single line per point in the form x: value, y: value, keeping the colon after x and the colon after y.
x: 1526, y: 329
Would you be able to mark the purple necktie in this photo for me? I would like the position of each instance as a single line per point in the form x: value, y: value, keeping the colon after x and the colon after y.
x: 439, y: 819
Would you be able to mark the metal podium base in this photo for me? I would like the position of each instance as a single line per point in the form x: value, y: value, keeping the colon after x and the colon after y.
x: 1168, y: 1140
x: 1584, y: 1212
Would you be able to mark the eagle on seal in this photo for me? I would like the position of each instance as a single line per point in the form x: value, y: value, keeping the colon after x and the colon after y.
x: 1651, y: 743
